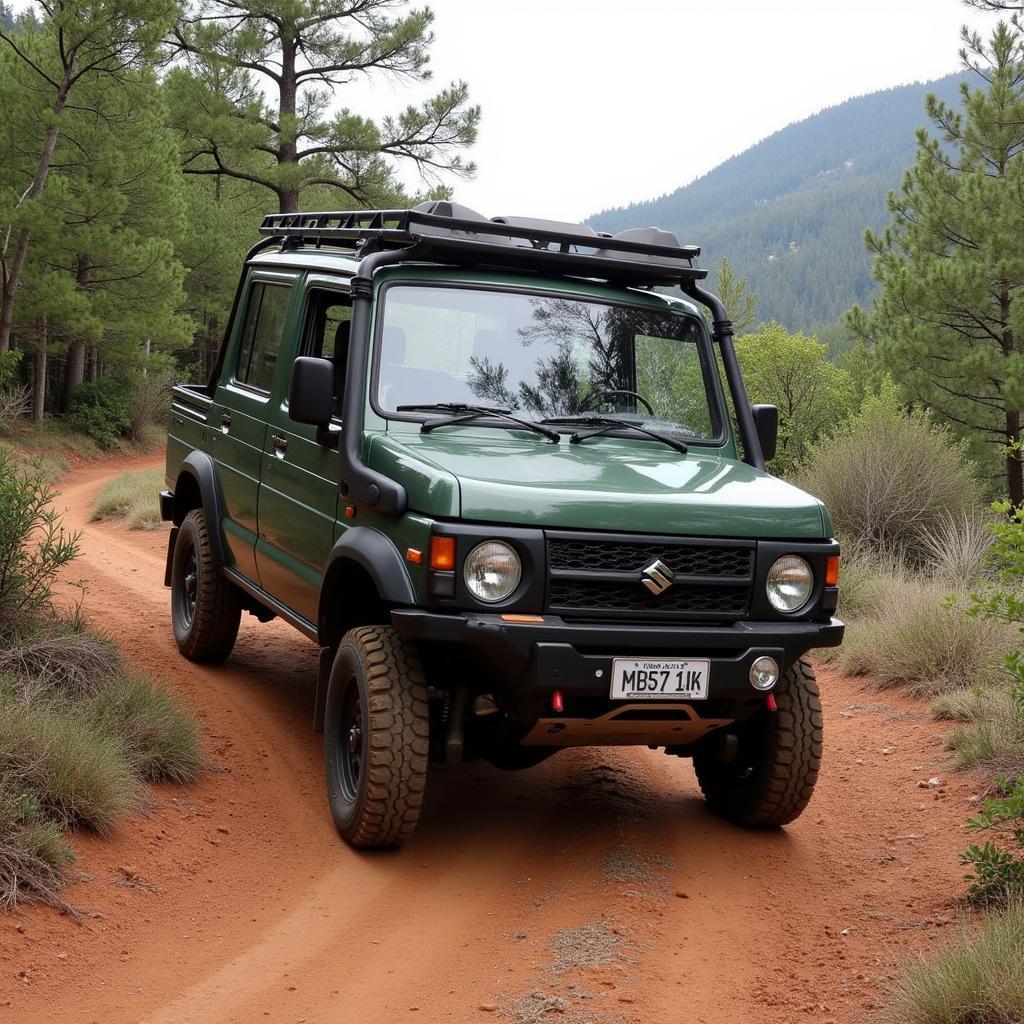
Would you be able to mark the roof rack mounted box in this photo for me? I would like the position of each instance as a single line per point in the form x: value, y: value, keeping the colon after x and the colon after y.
x: 447, y: 232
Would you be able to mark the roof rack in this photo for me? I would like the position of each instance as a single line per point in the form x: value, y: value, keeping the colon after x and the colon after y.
x: 450, y: 233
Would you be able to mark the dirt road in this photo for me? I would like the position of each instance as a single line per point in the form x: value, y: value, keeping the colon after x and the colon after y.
x: 595, y: 887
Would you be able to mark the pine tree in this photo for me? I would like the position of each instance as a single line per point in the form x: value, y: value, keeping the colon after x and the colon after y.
x: 302, y: 51
x: 949, y: 320
x: 76, y: 43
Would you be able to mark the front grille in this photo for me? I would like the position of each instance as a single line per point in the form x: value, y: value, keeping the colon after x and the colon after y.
x: 600, y: 577
x: 692, y: 559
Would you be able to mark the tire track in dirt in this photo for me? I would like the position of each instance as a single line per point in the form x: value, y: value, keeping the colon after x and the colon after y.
x: 241, y: 904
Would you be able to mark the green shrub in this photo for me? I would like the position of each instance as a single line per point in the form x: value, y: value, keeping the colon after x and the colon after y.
x: 34, y: 545
x: 997, y: 874
x: 890, y: 478
x: 133, y: 497
x: 974, y: 979
x: 913, y: 635
x: 160, y: 738
x: 102, y: 410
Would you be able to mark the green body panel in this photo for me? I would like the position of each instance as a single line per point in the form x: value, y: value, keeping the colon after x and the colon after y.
x: 603, y: 484
x: 237, y: 452
x: 298, y: 513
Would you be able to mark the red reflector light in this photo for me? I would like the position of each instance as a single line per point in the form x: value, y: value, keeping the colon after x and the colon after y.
x: 442, y: 553
x: 556, y: 702
x: 350, y: 511
x: 832, y: 571
x: 770, y: 702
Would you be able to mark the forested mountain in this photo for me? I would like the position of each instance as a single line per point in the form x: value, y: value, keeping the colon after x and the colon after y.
x: 790, y: 212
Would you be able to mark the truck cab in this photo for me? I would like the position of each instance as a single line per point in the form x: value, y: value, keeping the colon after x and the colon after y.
x: 507, y: 479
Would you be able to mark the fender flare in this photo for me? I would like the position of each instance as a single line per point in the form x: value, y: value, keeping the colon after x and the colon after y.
x: 373, y: 552
x: 199, y: 466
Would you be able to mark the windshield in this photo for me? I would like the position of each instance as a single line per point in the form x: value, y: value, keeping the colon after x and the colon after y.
x: 542, y: 356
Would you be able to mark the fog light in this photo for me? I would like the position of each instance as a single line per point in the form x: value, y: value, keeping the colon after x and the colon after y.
x: 764, y: 673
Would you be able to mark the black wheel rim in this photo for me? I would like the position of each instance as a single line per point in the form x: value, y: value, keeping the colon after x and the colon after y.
x: 188, y: 588
x: 351, y: 743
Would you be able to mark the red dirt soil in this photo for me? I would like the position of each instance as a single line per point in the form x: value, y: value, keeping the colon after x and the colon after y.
x: 235, y: 901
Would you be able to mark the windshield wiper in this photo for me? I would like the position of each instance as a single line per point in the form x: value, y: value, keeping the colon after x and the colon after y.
x: 458, y: 412
x: 605, y: 424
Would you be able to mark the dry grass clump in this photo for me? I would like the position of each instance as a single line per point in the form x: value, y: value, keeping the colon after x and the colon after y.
x: 975, y: 979
x: 990, y: 736
x: 33, y: 854
x: 62, y: 658
x: 915, y: 635
x: 132, y: 496
x: 54, y: 756
x: 79, y: 738
x: 157, y: 736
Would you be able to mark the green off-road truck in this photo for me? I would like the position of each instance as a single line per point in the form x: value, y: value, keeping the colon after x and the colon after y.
x: 505, y: 478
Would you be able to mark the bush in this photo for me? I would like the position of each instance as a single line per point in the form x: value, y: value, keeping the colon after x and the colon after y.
x: 15, y: 397
x: 958, y: 548
x: 150, y: 403
x: 133, y: 497
x: 102, y: 410
x: 976, y: 979
x: 997, y: 875
x: 34, y: 545
x: 891, y: 478
x: 913, y: 635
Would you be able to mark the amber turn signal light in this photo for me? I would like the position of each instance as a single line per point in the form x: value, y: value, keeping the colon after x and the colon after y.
x: 414, y: 555
x: 442, y: 553
x: 832, y: 571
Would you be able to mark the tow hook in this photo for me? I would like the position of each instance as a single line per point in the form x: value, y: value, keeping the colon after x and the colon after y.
x: 769, y: 702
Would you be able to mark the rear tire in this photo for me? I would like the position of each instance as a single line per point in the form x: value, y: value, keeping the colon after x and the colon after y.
x: 376, y: 737
x: 771, y: 779
x: 205, y: 607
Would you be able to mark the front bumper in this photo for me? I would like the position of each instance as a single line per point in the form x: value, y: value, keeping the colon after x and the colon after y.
x: 530, y: 661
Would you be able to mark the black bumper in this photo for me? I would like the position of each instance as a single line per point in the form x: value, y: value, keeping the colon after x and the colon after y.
x: 575, y: 658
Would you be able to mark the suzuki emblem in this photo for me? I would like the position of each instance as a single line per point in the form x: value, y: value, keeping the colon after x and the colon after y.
x: 657, y: 577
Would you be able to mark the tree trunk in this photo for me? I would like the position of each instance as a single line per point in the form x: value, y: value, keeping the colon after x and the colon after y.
x: 39, y: 380
x: 12, y: 269
x: 94, y: 364
x: 288, y: 149
x: 74, y: 371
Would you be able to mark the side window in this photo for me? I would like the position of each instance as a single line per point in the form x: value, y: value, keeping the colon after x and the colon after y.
x: 328, y: 323
x: 261, y: 335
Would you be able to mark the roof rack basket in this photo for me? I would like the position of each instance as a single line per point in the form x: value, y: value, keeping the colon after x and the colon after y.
x: 449, y: 233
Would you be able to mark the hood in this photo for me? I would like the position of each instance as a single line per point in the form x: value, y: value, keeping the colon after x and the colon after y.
x: 604, y: 484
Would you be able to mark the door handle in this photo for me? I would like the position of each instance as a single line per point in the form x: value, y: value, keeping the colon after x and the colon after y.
x: 280, y: 445
x: 225, y: 421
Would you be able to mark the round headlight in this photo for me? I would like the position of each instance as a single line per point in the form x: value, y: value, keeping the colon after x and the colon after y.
x: 492, y: 571
x: 790, y: 582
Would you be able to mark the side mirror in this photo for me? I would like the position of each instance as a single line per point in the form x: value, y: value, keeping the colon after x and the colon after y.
x: 311, y: 393
x: 766, y: 421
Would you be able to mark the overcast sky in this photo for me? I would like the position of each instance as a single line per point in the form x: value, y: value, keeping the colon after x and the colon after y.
x: 590, y: 103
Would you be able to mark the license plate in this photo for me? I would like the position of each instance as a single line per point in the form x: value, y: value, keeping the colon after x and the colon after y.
x: 659, y: 679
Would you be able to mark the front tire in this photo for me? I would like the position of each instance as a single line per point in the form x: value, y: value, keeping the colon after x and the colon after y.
x: 376, y: 737
x: 770, y: 780
x: 205, y: 607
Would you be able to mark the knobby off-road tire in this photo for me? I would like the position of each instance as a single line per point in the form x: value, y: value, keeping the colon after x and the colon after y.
x: 376, y: 737
x: 205, y: 607
x: 772, y: 777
